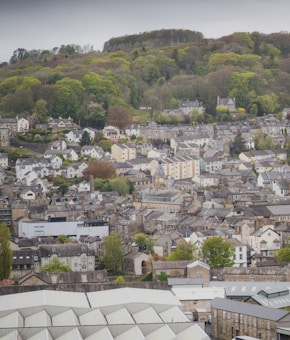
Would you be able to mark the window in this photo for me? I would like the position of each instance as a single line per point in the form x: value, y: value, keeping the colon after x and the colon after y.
x: 237, y: 317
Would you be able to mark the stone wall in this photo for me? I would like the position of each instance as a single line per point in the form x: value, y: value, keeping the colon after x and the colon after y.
x: 226, y: 325
x: 82, y: 287
x: 279, y: 274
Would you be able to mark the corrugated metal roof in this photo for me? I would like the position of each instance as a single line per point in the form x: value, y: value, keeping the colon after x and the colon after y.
x: 248, y: 309
x: 246, y: 288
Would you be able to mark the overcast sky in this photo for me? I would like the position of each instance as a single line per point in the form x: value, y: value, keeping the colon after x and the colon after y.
x: 45, y: 24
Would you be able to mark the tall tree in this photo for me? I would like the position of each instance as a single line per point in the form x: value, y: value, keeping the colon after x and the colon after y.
x: 114, y: 256
x: 238, y: 145
x: 218, y: 252
x: 100, y: 169
x: 85, y: 140
x: 119, y: 116
x: 282, y: 255
x: 5, y: 252
x: 184, y: 251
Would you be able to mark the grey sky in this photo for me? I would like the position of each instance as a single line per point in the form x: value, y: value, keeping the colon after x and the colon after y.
x: 44, y: 24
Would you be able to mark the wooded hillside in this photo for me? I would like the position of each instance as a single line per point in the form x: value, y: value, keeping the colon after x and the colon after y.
x: 157, y: 69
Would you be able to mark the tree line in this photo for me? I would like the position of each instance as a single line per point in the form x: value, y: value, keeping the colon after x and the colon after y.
x: 81, y: 83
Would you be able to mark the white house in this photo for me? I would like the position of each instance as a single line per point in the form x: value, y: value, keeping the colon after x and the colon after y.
x: 56, y: 162
x: 28, y: 195
x: 74, y: 136
x: 22, y: 125
x: 265, y: 240
x: 29, y: 177
x: 25, y: 165
x: 4, y: 160
x: 92, y: 132
x: 67, y: 154
x: 241, y: 253
x: 132, y: 130
x: 70, y: 155
x: 92, y: 151
x: 84, y: 186
x: 58, y: 145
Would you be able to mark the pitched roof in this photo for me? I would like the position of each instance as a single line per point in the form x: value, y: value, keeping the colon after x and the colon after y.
x: 248, y: 309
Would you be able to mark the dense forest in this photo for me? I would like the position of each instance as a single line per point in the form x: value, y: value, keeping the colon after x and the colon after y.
x: 155, y: 69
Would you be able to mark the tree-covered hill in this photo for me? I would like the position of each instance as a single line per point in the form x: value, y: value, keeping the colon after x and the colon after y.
x: 157, y: 70
x: 156, y: 39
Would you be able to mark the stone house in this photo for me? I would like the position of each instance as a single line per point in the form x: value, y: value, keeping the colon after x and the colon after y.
x: 188, y: 106
x: 163, y: 245
x: 206, y: 180
x: 122, y: 168
x: 58, y: 124
x: 161, y: 200
x: 262, y: 155
x: 178, y: 167
x: 228, y: 103
x: 171, y: 268
x: 140, y: 163
x: 113, y: 133
x: 24, y: 261
x: 136, y: 263
x: 199, y: 139
x: 78, y: 256
x: 143, y: 149
x: 132, y: 130
x: 212, y: 164
x: 182, y: 269
x: 123, y: 152
x: 231, y: 318
x: 9, y: 124
x: 4, y: 137
x: 152, y: 131
x: 199, y: 270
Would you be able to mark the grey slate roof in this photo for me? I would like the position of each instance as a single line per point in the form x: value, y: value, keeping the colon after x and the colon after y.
x: 248, y: 309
